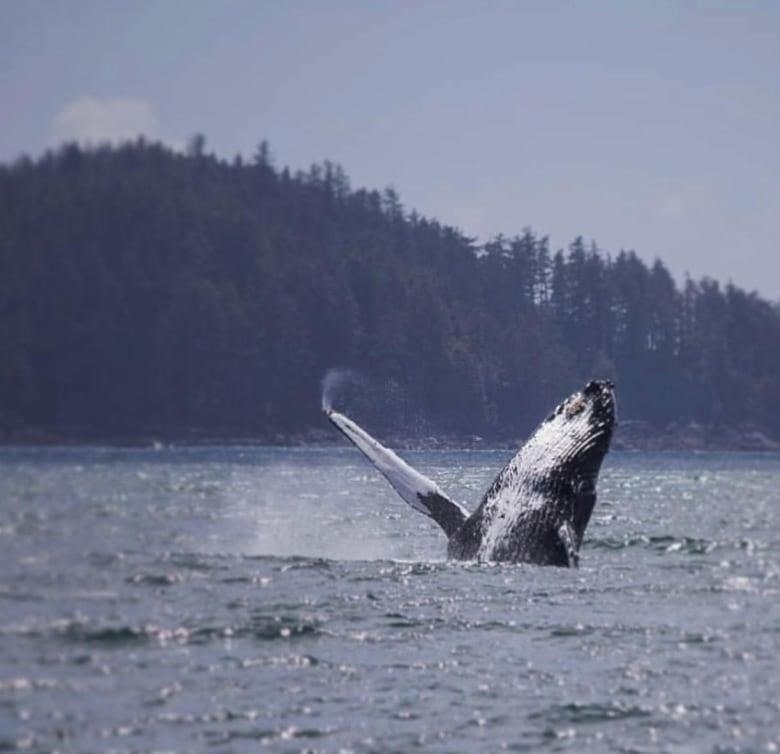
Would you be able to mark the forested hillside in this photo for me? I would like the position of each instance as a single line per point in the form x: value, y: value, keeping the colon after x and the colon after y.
x: 145, y: 292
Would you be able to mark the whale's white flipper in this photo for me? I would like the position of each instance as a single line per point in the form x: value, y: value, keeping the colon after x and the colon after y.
x: 569, y: 541
x: 420, y: 492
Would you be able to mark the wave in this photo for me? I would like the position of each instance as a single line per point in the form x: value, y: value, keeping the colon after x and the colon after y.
x: 593, y: 712
x: 658, y: 543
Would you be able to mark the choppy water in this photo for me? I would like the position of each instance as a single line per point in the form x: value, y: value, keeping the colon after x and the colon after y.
x: 240, y: 600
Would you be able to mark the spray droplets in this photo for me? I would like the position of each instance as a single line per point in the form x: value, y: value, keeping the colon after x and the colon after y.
x: 336, y: 382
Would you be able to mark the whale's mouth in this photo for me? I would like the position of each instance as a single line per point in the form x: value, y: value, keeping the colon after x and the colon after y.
x: 602, y: 419
x: 601, y: 395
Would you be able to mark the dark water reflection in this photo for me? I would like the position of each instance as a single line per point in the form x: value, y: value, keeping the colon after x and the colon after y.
x: 227, y: 599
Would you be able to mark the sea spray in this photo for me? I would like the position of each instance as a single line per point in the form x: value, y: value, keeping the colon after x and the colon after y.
x: 387, y: 406
x: 335, y: 383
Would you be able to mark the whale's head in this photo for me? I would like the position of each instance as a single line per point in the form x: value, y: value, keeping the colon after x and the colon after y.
x: 563, y: 457
x: 588, y: 412
x: 576, y: 435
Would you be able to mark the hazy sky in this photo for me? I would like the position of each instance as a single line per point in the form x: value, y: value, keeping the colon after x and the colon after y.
x: 650, y: 125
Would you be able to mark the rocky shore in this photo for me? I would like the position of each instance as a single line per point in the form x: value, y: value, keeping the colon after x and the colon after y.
x: 630, y: 435
x: 641, y: 435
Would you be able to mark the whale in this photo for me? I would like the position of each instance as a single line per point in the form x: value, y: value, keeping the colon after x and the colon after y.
x: 538, y: 507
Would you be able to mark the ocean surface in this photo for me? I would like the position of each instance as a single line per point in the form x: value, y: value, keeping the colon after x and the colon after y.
x: 251, y: 599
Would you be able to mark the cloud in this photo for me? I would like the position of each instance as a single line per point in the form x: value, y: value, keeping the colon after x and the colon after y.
x: 95, y: 120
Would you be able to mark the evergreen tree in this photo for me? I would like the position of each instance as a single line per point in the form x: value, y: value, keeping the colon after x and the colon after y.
x: 147, y: 291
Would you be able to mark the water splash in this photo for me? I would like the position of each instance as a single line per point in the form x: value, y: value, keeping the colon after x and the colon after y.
x: 335, y: 382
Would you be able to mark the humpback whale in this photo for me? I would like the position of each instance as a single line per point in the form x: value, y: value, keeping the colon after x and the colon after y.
x: 537, y: 508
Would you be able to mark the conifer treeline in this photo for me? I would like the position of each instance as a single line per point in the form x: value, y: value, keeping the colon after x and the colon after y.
x: 144, y: 290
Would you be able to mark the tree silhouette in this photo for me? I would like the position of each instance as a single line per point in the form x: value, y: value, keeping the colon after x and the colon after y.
x: 145, y: 291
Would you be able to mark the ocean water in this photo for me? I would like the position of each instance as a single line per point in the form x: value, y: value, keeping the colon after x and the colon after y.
x: 250, y: 599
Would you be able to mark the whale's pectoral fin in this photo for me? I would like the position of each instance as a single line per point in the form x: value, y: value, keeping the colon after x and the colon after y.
x: 420, y: 492
x: 569, y: 542
x: 443, y: 510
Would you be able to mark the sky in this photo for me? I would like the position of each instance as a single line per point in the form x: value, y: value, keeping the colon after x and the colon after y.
x: 649, y: 125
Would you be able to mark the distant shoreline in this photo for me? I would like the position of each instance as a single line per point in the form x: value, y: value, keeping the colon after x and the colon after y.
x: 630, y: 435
